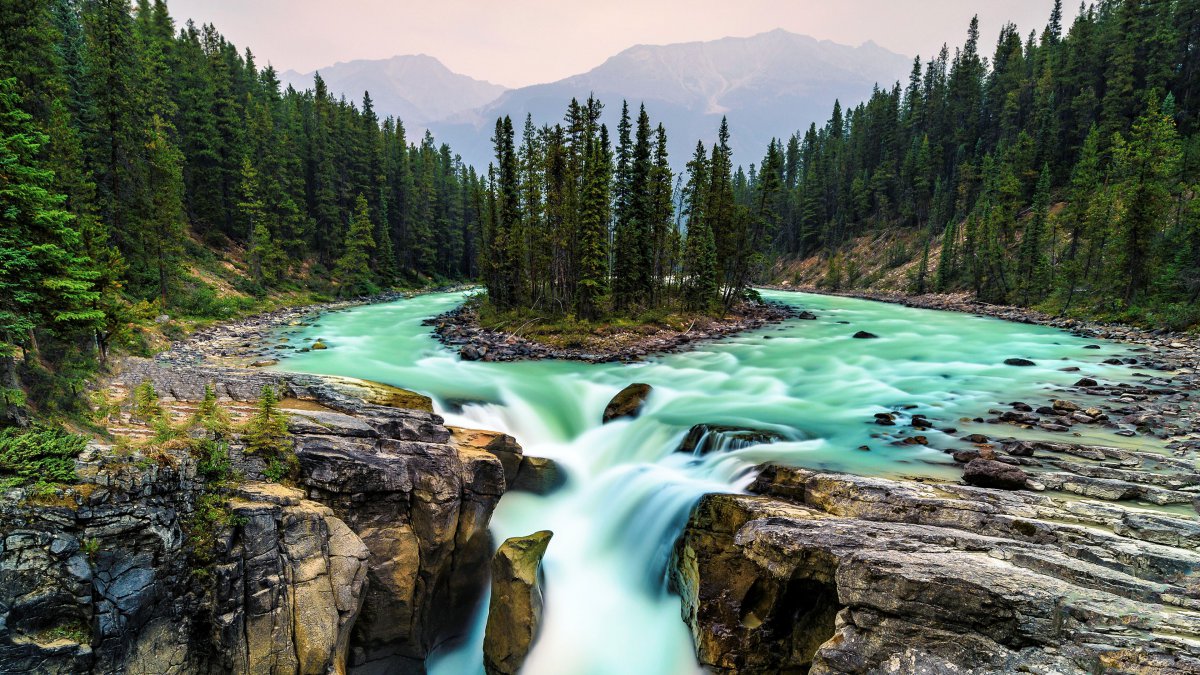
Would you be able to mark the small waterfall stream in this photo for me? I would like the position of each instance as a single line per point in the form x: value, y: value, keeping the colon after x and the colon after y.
x: 806, y: 385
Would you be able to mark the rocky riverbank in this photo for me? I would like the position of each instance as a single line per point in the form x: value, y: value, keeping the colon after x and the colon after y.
x: 828, y: 573
x: 460, y: 329
x: 1185, y: 343
x: 249, y: 341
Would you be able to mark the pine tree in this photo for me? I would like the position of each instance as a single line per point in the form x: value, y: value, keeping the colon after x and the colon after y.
x: 506, y: 253
x: 45, y: 281
x: 353, y: 270
x: 162, y: 237
x: 1033, y: 265
x: 663, y: 238
x: 267, y: 262
x: 593, y: 236
x: 266, y: 435
x: 700, y: 253
x: 1147, y: 164
x: 632, y: 258
x: 116, y: 130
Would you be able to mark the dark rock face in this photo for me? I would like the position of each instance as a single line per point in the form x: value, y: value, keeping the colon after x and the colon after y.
x: 308, y: 625
x: 864, y: 335
x: 355, y: 570
x: 831, y: 573
x: 992, y: 474
x: 539, y: 475
x: 628, y: 402
x: 1019, y: 362
x: 114, y: 602
x: 282, y: 594
x: 421, y: 507
x: 705, y: 438
x: 516, y: 607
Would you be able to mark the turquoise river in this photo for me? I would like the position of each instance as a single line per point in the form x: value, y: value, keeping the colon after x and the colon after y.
x: 628, y: 494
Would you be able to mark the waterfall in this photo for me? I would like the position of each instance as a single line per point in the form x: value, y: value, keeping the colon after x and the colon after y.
x: 806, y: 397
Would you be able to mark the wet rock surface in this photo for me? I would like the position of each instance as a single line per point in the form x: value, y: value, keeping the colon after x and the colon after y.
x: 515, y: 612
x: 832, y: 573
x: 992, y: 474
x: 702, y: 439
x: 628, y: 402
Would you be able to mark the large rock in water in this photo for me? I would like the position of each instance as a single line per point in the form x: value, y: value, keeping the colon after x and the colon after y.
x: 628, y: 402
x: 831, y: 573
x: 702, y: 439
x: 516, y: 607
x: 988, y: 473
x: 539, y: 475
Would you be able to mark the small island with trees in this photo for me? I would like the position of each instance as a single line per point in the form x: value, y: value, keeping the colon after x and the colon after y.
x: 585, y: 251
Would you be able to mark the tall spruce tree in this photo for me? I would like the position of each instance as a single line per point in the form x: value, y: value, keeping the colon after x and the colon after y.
x: 353, y: 269
x: 45, y: 280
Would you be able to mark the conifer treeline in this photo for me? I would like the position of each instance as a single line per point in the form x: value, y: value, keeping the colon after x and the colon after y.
x: 131, y: 147
x: 973, y: 154
x: 578, y: 225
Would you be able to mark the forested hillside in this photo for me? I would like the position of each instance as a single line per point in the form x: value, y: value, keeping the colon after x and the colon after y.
x: 1059, y: 172
x: 150, y: 169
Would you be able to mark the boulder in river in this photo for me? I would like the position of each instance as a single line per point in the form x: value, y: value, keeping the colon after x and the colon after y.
x: 705, y: 438
x: 628, y: 402
x: 539, y: 475
x: 992, y: 474
x: 516, y: 607
x: 1019, y: 362
x: 864, y: 335
x: 1064, y: 405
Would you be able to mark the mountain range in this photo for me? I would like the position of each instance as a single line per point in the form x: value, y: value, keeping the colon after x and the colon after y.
x: 418, y: 89
x: 768, y: 85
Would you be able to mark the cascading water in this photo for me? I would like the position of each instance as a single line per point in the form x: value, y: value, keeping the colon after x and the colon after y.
x: 629, y: 493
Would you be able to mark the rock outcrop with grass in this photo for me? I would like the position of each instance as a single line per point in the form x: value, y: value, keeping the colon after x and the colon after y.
x: 245, y: 521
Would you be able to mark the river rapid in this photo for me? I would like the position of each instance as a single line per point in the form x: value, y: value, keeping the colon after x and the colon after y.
x: 629, y: 493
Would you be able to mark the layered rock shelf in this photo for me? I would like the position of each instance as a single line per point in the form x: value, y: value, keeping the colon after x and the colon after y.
x: 831, y: 573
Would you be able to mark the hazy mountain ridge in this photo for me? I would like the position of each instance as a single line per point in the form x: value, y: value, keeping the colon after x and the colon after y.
x: 769, y: 85
x: 418, y: 89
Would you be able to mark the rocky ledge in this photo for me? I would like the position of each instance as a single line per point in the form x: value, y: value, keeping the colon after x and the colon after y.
x: 831, y: 573
x: 367, y: 559
x: 460, y: 329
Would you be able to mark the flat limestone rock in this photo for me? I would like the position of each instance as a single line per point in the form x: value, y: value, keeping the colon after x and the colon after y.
x: 378, y: 393
x: 831, y: 573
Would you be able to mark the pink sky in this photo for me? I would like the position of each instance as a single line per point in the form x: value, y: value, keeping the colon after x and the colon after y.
x: 521, y: 42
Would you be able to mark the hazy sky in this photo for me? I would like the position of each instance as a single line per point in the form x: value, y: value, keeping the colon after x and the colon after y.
x: 520, y: 42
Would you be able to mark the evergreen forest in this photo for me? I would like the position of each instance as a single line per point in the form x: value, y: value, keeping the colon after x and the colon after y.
x: 151, y: 171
